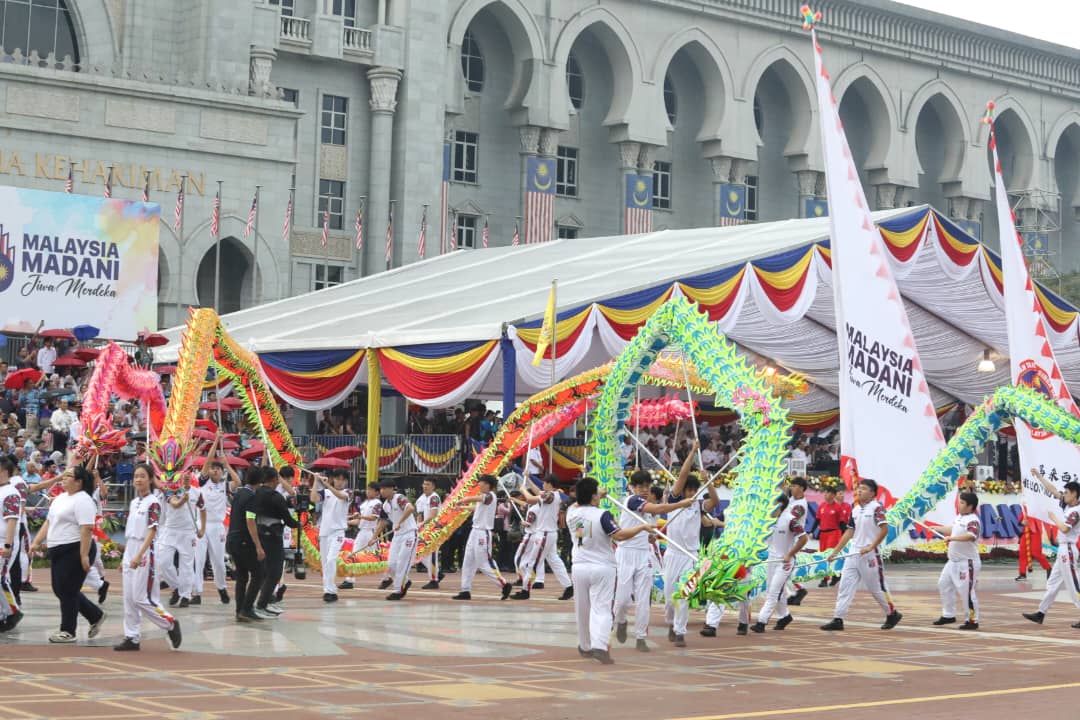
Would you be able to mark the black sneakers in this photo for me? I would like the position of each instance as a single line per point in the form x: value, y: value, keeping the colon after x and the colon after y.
x: 969, y: 625
x: 430, y: 585
x: 506, y: 589
x: 620, y: 632
x: 741, y: 629
x: 568, y: 593
x: 945, y: 620
x: 783, y: 622
x: 387, y: 582
x: 680, y: 641
x: 538, y: 586
x: 346, y: 585
x: 708, y: 631
x: 103, y: 592
x: 174, y: 634
x: 834, y: 624
x: 797, y: 598
x: 126, y: 646
x: 1035, y: 617
x: 329, y: 597
x: 758, y: 627
x: 463, y: 595
x: 520, y: 595
x: 224, y: 595
x: 892, y: 620
x: 603, y: 656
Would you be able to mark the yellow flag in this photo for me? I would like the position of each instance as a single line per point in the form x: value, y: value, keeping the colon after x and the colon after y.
x: 547, y: 330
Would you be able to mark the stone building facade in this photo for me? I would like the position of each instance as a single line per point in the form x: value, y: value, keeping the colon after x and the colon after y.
x: 340, y: 105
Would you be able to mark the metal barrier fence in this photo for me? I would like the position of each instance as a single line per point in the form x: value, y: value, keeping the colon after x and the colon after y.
x: 398, y: 454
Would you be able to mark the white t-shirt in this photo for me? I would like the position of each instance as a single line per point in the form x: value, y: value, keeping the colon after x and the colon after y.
x: 46, y: 357
x: 10, y: 508
x: 427, y: 506
x: 1072, y: 519
x: 183, y: 521
x: 590, y: 534
x: 67, y: 515
x: 484, y: 514
x: 636, y: 503
x: 395, y: 510
x: 789, y: 527
x: 544, y: 515
x: 370, y: 508
x: 534, y: 463
x: 866, y: 520
x: 215, y: 497
x: 335, y: 514
x: 685, y: 528
x: 964, y: 550
x: 62, y: 419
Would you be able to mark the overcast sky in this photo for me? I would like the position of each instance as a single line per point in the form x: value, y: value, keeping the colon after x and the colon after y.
x: 1053, y: 20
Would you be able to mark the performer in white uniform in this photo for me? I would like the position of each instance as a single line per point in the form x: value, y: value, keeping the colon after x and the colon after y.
x: 366, y: 521
x: 684, y: 527
x: 215, y: 493
x: 787, y: 538
x: 402, y: 516
x: 95, y: 578
x: 11, y: 504
x: 185, y: 523
x: 332, y: 524
x: 868, y: 529
x: 1065, y: 571
x: 960, y: 576
x: 140, y: 569
x: 427, y: 507
x: 543, y: 542
x: 478, y: 549
x: 592, y: 534
x: 634, y: 558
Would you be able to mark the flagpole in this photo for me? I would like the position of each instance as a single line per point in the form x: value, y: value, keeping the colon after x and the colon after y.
x: 554, y: 334
x: 180, y: 241
x: 255, y: 294
x: 217, y: 252
x: 288, y: 237
x: 326, y: 247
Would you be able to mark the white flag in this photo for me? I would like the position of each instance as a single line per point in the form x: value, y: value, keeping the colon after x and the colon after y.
x: 1031, y: 363
x: 889, y: 431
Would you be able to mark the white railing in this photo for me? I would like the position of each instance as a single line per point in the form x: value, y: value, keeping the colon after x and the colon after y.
x: 356, y: 40
x: 295, y: 29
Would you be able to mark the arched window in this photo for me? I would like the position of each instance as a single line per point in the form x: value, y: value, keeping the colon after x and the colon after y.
x: 472, y: 63
x: 670, y: 104
x: 575, y: 82
x: 42, y: 25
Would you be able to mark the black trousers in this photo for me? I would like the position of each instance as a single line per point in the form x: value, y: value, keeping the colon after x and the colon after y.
x: 67, y: 580
x: 249, y: 572
x: 274, y: 546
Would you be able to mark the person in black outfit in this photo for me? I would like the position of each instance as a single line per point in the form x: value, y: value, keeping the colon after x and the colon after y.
x: 272, y: 514
x: 245, y: 548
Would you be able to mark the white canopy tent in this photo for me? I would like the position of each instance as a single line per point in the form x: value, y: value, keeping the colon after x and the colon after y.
x: 482, y: 296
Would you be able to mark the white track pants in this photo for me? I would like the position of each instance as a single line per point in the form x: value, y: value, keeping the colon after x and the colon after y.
x: 1064, y: 573
x: 141, y: 597
x: 519, y: 565
x: 676, y: 613
x: 960, y: 578
x: 360, y: 544
x: 714, y: 613
x: 594, y: 591
x: 182, y: 580
x: 8, y: 606
x: 542, y: 547
x: 868, y: 571
x: 95, y: 578
x: 633, y: 587
x: 330, y: 548
x: 402, y: 556
x: 478, y: 557
x: 776, y: 578
x: 212, y: 543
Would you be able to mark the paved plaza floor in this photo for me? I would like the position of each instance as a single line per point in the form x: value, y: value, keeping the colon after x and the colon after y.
x: 432, y: 657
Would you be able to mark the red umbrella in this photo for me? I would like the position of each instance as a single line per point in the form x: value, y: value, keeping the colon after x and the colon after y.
x: 87, y: 354
x: 206, y: 424
x: 252, y: 452
x: 231, y: 403
x: 237, y: 462
x: 326, y: 462
x: 58, y: 333
x: 198, y: 461
x: 224, y: 404
x: 69, y: 361
x: 17, y: 379
x: 235, y: 437
x: 153, y: 339
x: 203, y: 434
x: 165, y: 370
x: 229, y: 445
x: 345, y: 452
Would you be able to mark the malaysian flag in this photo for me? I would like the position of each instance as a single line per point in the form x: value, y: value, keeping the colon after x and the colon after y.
x: 421, y: 243
x: 444, y: 198
x: 517, y: 237
x: 390, y: 238
x: 484, y: 237
x: 325, y: 225
x: 178, y: 211
x: 539, y: 199
x: 215, y: 216
x: 146, y: 189
x: 360, y: 228
x: 108, y: 184
x: 7, y: 260
x: 732, y: 205
x: 286, y: 228
x: 638, y: 214
x: 251, y: 216
x: 69, y: 184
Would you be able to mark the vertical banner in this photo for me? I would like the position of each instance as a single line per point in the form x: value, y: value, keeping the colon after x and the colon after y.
x: 78, y: 260
x: 539, y: 199
x: 1032, y: 362
x: 732, y: 203
x: 889, y: 431
x: 638, y: 205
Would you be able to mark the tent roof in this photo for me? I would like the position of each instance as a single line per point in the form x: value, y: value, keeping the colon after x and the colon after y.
x: 767, y: 285
x: 470, y: 295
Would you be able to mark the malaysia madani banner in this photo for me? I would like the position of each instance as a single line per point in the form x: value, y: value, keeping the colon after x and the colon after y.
x: 69, y: 260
